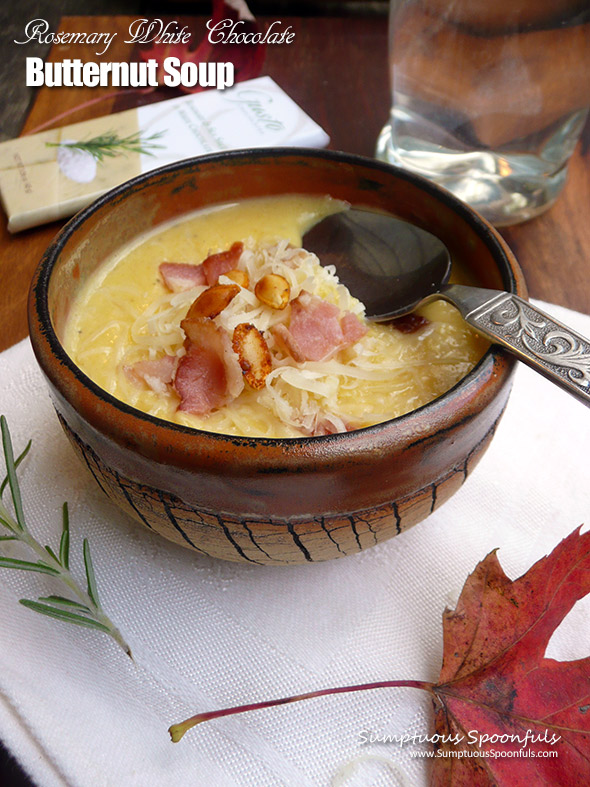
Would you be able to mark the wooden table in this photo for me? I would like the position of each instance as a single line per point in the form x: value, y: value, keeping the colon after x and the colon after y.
x: 336, y: 69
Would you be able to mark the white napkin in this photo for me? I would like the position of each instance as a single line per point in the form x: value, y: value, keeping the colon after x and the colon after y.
x: 207, y: 634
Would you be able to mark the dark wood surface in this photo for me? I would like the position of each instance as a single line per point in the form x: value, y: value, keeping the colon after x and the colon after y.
x: 336, y: 69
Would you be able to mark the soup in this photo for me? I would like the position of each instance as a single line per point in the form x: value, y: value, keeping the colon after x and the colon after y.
x: 221, y: 321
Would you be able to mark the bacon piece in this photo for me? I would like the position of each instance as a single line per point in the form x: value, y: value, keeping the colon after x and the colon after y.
x: 223, y: 262
x: 254, y: 356
x: 324, y: 425
x: 158, y: 374
x: 204, y: 333
x: 180, y: 276
x: 286, y: 343
x: 213, y: 301
x: 352, y: 328
x: 409, y: 323
x: 317, y: 329
x: 200, y: 380
x: 211, y: 375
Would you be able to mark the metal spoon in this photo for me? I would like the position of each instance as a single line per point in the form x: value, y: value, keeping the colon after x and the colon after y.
x: 393, y: 266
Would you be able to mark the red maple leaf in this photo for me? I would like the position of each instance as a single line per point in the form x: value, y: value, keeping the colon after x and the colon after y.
x: 498, y: 700
x: 495, y: 679
x: 246, y: 57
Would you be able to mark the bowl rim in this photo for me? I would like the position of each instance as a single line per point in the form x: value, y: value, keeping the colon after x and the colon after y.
x: 38, y: 307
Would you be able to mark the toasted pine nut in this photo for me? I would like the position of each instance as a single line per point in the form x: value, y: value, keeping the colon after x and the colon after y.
x: 240, y: 277
x: 273, y: 290
x: 254, y: 356
x: 213, y: 301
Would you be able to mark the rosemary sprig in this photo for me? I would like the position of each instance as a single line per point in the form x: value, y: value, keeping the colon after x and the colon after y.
x: 111, y: 144
x: 84, y: 609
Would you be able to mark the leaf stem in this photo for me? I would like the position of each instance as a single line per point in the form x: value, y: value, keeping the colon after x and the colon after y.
x: 11, y: 476
x: 178, y: 730
x: 89, y: 612
x: 65, y: 576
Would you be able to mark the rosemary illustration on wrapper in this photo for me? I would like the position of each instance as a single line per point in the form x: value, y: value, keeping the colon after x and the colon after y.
x: 110, y: 144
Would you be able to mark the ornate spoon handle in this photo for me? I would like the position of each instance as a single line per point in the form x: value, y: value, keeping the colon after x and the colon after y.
x: 548, y: 346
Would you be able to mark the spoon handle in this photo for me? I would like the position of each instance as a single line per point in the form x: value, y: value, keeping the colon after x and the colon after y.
x: 548, y: 346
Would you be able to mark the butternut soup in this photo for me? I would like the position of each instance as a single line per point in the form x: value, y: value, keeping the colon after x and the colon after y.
x: 222, y: 322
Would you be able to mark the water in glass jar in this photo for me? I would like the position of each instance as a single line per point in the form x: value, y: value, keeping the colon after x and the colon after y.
x: 488, y: 101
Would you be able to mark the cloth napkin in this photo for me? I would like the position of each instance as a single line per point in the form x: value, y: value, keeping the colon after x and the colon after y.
x: 206, y: 634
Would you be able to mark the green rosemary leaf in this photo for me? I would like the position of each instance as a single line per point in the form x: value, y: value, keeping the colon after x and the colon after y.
x: 84, y: 612
x: 44, y: 565
x: 7, y: 524
x: 90, y: 578
x: 11, y: 474
x: 51, y: 553
x: 17, y: 462
x: 66, y: 602
x: 25, y: 565
x: 64, y: 544
x: 63, y: 614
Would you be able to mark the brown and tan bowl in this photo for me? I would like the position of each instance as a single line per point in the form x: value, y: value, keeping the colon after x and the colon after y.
x: 251, y: 499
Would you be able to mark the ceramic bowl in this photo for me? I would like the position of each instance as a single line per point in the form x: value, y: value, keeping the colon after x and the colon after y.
x: 251, y: 499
